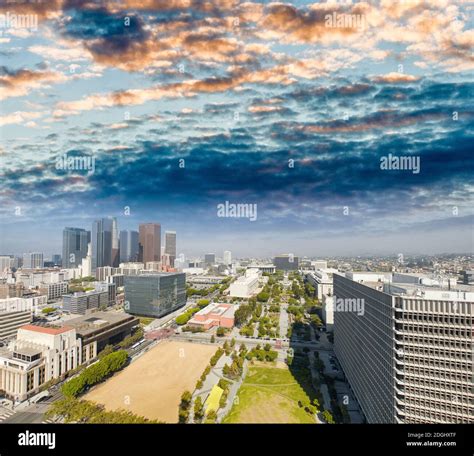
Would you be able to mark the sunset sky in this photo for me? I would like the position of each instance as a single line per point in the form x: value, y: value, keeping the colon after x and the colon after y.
x: 266, y: 103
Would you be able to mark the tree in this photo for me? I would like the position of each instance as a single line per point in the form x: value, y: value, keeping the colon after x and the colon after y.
x: 185, y: 400
x: 211, y: 416
x: 263, y: 297
x: 232, y: 343
x: 220, y: 332
x: 327, y: 416
x: 198, y: 409
x: 213, y: 339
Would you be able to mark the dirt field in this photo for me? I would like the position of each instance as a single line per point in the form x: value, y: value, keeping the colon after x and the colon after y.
x: 152, y: 385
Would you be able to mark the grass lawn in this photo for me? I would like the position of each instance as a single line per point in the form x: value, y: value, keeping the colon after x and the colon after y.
x: 145, y: 320
x: 269, y: 394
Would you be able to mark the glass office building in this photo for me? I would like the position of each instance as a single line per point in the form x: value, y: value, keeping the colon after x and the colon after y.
x: 154, y: 295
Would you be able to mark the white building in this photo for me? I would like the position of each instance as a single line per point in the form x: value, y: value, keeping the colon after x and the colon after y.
x: 227, y: 257
x: 244, y: 287
x: 40, y: 354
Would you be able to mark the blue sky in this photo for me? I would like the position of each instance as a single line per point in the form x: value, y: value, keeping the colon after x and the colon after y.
x: 266, y: 103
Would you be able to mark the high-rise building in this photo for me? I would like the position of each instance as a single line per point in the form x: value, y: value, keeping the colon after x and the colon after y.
x: 227, y: 257
x: 103, y: 239
x: 149, y: 242
x: 128, y: 246
x: 406, y: 349
x: 33, y: 260
x: 56, y: 259
x: 5, y: 263
x: 286, y: 262
x: 75, y: 242
x: 154, y: 295
x: 170, y: 245
x: 115, y: 244
x: 209, y: 258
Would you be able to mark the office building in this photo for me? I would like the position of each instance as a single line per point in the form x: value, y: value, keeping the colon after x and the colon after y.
x: 209, y: 259
x: 33, y: 260
x: 15, y: 312
x: 149, y: 242
x: 103, y: 239
x: 128, y: 246
x: 244, y: 287
x: 103, y: 328
x: 154, y: 294
x: 286, y: 262
x: 5, y: 263
x: 85, y: 302
x: 227, y: 257
x: 170, y: 246
x: 75, y: 242
x: 54, y: 291
x: 405, y: 348
x: 56, y: 259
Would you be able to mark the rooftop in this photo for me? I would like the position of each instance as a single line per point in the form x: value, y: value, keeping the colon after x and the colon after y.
x: 52, y: 330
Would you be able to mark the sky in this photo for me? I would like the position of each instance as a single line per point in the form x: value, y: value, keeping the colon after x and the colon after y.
x: 183, y: 105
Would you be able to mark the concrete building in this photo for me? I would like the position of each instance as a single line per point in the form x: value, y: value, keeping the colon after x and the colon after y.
x: 14, y: 312
x: 75, y: 241
x: 268, y: 268
x: 103, y: 328
x: 214, y: 315
x: 209, y: 259
x: 467, y: 277
x: 170, y: 246
x: 321, y: 280
x: 39, y: 354
x: 149, y: 242
x: 244, y: 287
x: 227, y: 257
x: 54, y: 291
x: 5, y: 263
x: 286, y: 262
x: 33, y: 260
x: 154, y: 294
x: 406, y: 349
x: 85, y: 302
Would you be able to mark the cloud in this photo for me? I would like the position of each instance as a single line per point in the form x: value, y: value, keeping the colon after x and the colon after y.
x: 16, y: 83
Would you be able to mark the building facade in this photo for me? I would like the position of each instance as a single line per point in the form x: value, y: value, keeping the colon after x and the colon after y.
x: 409, y: 355
x: 128, y: 246
x: 286, y: 262
x: 149, y: 242
x: 75, y: 241
x: 33, y: 260
x: 154, y: 295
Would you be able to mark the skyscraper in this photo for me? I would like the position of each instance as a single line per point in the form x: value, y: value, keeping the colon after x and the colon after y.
x: 227, y: 257
x: 102, y: 240
x: 115, y: 244
x: 33, y: 260
x: 128, y: 246
x: 149, y: 242
x: 170, y: 245
x: 406, y: 349
x: 209, y: 258
x: 75, y: 242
